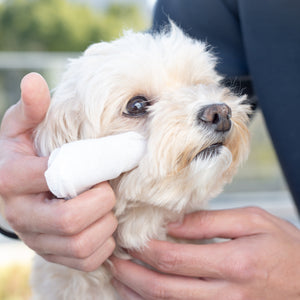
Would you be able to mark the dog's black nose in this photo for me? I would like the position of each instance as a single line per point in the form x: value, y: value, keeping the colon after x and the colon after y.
x: 216, y: 116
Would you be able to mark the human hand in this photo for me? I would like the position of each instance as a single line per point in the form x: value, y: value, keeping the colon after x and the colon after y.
x: 260, y: 260
x: 75, y: 233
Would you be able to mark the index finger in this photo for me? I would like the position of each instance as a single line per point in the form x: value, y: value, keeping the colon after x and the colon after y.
x: 228, y: 223
x: 21, y: 175
x: 62, y: 217
x: 201, y: 261
x: 152, y: 285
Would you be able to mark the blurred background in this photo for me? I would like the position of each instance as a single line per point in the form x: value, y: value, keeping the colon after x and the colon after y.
x: 40, y: 35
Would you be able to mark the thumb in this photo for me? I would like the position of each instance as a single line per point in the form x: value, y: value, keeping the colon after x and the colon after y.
x: 30, y: 110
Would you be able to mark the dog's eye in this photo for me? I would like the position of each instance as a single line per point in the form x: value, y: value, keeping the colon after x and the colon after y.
x: 136, y: 106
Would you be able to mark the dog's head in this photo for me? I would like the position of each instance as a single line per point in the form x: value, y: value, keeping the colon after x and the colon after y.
x: 165, y: 87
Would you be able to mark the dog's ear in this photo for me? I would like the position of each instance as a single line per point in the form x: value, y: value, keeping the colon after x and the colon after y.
x: 62, y: 125
x: 71, y: 115
x: 97, y: 48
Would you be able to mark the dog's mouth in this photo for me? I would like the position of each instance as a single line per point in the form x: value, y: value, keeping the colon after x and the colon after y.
x: 210, y: 152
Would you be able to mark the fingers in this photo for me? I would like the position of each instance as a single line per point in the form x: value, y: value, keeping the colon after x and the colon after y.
x: 151, y: 285
x: 88, y: 264
x: 80, y: 246
x: 186, y: 259
x: 60, y: 217
x: 76, y: 233
x: 215, y: 260
x: 231, y: 223
x: 30, y: 110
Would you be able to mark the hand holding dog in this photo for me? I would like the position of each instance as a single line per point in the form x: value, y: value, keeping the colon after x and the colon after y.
x: 65, y: 232
x: 259, y: 261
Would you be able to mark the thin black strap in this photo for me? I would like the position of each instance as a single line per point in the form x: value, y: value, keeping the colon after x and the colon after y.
x: 9, y: 234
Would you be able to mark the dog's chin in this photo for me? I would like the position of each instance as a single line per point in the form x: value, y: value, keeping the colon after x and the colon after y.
x: 216, y: 156
x: 210, y: 152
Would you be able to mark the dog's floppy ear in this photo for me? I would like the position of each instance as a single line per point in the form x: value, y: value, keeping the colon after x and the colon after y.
x: 62, y: 124
x: 72, y: 111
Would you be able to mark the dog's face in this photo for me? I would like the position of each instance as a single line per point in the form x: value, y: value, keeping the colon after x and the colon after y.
x: 164, y: 87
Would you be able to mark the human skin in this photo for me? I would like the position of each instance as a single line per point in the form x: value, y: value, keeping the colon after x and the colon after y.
x: 260, y: 260
x: 75, y: 233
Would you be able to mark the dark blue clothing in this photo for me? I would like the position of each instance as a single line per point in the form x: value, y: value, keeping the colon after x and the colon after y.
x: 260, y: 40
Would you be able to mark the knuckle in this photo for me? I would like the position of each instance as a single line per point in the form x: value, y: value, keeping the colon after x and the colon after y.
x: 206, y: 218
x: 79, y: 248
x: 244, y: 267
x: 167, y: 261
x: 87, y: 265
x: 65, y: 221
x: 256, y: 216
x: 91, y: 263
x: 257, y: 211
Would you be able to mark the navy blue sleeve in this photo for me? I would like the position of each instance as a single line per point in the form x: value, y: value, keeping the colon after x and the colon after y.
x: 259, y: 40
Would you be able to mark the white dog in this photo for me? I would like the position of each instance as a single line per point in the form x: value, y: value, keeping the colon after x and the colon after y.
x: 165, y: 87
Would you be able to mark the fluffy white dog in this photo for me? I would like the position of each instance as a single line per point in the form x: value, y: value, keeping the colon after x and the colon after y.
x: 165, y: 87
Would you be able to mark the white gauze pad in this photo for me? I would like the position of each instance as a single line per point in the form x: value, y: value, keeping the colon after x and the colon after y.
x: 77, y: 166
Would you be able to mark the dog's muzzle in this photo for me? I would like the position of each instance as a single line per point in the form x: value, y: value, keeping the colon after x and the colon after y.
x: 215, y: 116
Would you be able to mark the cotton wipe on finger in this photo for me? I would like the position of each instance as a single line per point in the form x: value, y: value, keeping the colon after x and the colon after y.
x: 77, y: 166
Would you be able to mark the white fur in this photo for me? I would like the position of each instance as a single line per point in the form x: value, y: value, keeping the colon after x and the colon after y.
x: 178, y: 75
